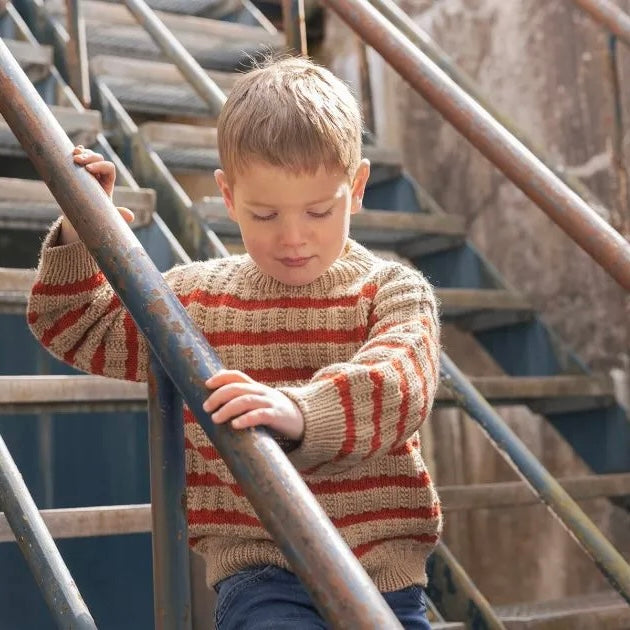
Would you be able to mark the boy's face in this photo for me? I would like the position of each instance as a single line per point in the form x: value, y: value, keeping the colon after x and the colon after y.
x: 293, y: 226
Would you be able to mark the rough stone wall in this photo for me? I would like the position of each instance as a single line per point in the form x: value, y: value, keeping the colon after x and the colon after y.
x: 544, y: 64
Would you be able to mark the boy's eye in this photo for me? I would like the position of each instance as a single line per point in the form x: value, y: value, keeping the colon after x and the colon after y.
x: 321, y: 215
x: 265, y: 217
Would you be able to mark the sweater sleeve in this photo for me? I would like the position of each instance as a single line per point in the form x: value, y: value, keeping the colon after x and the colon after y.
x: 373, y: 403
x: 74, y: 312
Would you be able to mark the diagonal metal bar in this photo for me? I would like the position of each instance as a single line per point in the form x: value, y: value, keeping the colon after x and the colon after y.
x: 209, y: 91
x: 608, y: 14
x: 37, y: 546
x: 429, y: 47
x: 604, y: 244
x: 610, y: 562
x: 336, y: 581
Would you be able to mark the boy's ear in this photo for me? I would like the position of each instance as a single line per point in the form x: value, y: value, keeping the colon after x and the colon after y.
x: 359, y: 184
x: 226, y: 192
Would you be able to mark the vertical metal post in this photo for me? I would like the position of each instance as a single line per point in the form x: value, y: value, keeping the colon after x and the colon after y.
x: 77, y: 57
x: 367, y: 102
x: 37, y: 546
x: 171, y: 570
x: 294, y: 24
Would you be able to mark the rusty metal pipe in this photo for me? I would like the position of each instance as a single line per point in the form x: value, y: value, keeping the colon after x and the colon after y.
x: 77, y: 56
x: 37, y: 546
x: 429, y: 47
x: 609, y: 561
x: 337, y: 583
x: 604, y: 244
x: 608, y: 14
x: 171, y: 563
x: 207, y: 89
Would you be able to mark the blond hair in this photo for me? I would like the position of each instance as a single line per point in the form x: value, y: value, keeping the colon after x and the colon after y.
x: 293, y: 114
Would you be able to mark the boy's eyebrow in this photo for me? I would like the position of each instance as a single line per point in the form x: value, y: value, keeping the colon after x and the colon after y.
x: 264, y: 206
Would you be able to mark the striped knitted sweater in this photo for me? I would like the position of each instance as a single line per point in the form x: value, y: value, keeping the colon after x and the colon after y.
x: 357, y: 350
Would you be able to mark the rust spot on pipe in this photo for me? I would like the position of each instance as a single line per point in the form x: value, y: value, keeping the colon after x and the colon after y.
x: 158, y: 307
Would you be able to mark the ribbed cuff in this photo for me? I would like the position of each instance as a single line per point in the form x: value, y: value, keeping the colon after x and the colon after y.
x: 324, y: 423
x: 62, y: 264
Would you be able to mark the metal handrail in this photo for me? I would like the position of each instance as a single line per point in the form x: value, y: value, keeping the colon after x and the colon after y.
x: 207, y: 89
x: 603, y: 243
x: 339, y: 586
x: 614, y: 18
x: 610, y: 562
x: 429, y: 47
x: 39, y: 550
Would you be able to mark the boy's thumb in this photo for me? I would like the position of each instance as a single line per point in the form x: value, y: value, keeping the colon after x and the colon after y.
x: 126, y: 214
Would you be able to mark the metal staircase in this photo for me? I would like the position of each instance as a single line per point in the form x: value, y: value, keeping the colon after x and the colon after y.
x: 164, y: 133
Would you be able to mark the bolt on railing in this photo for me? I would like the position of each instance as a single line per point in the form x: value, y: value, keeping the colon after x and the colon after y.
x: 339, y: 586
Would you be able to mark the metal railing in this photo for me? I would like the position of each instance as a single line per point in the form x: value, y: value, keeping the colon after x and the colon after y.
x: 77, y: 57
x: 592, y: 233
x: 336, y: 581
x: 37, y: 546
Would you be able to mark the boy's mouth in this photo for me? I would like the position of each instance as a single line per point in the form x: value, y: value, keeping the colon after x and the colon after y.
x: 295, y: 262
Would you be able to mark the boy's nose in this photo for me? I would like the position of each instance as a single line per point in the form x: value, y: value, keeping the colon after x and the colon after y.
x: 292, y: 234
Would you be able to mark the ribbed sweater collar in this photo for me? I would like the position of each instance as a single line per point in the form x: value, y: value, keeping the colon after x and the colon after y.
x: 353, y: 263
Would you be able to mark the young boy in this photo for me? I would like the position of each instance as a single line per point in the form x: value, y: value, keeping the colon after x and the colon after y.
x: 331, y: 347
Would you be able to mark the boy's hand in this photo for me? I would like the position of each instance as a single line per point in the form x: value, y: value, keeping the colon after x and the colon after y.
x: 105, y: 174
x: 248, y: 404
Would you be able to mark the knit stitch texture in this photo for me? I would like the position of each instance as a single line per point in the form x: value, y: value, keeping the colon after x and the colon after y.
x: 357, y: 350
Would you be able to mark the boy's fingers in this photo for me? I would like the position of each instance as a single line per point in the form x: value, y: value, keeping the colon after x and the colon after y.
x: 126, y: 214
x: 239, y: 406
x: 226, y: 393
x: 228, y: 376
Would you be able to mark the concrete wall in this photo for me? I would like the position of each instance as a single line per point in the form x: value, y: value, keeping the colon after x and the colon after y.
x: 544, y: 64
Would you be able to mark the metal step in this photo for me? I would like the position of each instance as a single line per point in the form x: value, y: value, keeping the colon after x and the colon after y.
x: 598, y: 611
x: 222, y: 45
x: 30, y: 394
x: 81, y: 127
x: 374, y: 228
x: 193, y: 149
x: 517, y: 493
x: 203, y: 8
x: 156, y: 72
x: 27, y: 204
x: 34, y: 60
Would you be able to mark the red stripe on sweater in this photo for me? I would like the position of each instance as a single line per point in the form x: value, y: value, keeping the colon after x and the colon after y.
x: 407, y: 448
x: 421, y: 512
x: 208, y: 479
x: 404, y: 400
x: 221, y: 517
x: 32, y: 317
x: 267, y: 338
x: 331, y: 486
x: 131, y: 343
x: 97, y: 365
x: 71, y: 288
x: 63, y: 323
x: 342, y: 383
x: 377, y: 407
x: 232, y: 301
x: 361, y: 550
x: 272, y: 375
x: 207, y: 452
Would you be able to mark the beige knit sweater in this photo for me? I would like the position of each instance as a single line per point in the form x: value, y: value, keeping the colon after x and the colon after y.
x: 357, y: 350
